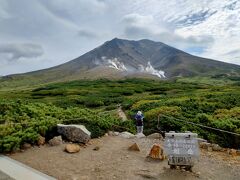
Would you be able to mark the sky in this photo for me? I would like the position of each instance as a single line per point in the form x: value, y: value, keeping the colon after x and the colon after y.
x: 37, y: 34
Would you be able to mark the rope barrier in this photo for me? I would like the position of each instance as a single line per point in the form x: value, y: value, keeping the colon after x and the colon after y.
x: 196, y: 124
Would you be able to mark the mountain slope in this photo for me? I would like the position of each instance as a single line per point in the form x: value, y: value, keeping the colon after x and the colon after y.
x: 123, y: 58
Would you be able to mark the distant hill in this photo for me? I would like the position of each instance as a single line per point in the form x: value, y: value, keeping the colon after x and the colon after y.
x: 120, y: 58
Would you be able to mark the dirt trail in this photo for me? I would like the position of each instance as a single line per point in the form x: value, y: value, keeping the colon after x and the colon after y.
x: 121, y: 114
x: 114, y: 161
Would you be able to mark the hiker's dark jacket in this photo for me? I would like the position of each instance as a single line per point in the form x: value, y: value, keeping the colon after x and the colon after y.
x: 139, y: 119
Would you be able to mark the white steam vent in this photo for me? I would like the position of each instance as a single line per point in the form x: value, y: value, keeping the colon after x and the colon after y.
x: 120, y: 66
x: 114, y: 63
x: 150, y: 70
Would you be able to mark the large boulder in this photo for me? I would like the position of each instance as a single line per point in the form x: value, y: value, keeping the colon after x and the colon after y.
x: 57, y: 140
x: 72, y: 148
x: 74, y: 133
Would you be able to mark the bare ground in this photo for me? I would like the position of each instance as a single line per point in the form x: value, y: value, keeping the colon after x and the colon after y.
x: 114, y: 161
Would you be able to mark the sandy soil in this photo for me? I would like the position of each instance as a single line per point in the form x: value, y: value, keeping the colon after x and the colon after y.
x: 114, y: 161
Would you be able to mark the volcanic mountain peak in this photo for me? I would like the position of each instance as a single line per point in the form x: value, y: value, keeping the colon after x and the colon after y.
x: 120, y: 58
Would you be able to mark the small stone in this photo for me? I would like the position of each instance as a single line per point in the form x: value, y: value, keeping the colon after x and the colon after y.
x: 57, y: 140
x: 210, y: 149
x: 134, y: 147
x: 110, y: 133
x: 106, y: 134
x: 164, y: 168
x: 116, y: 133
x: 72, y: 148
x: 197, y: 174
x: 41, y: 141
x: 233, y: 152
x: 216, y: 147
x: 89, y: 143
x: 97, y: 169
x: 26, y: 146
x: 96, y: 148
x: 204, y: 145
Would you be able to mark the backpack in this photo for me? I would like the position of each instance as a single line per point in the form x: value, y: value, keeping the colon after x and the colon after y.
x: 139, y: 117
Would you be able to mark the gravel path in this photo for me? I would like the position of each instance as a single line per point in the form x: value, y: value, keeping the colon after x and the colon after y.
x: 114, y: 161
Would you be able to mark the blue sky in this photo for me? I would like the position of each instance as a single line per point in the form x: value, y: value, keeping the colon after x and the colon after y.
x: 38, y: 34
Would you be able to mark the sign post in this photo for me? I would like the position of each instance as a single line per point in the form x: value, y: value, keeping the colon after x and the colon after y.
x: 181, y: 148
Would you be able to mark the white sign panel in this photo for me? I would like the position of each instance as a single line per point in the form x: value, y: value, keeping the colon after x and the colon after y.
x: 181, y: 144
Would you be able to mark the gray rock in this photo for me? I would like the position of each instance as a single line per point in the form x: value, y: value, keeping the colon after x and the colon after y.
x: 126, y: 135
x: 216, y: 147
x: 155, y: 136
x: 110, y: 133
x: 200, y: 140
x: 26, y: 146
x: 205, y: 145
x: 57, y: 140
x: 140, y: 135
x: 41, y: 141
x: 116, y: 133
x: 74, y: 133
x: 113, y: 133
x: 209, y: 148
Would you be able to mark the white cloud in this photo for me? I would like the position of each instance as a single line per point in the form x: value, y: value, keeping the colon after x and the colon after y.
x: 86, y: 33
x: 17, y: 51
x: 138, y: 26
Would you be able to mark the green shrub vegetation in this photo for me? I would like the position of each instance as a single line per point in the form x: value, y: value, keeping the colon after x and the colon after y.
x: 27, y: 113
x: 25, y: 122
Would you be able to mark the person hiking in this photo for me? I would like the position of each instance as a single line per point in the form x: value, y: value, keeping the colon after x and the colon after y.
x: 139, y: 121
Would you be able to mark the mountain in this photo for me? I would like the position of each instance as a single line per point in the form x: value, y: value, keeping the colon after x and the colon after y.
x: 120, y: 58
